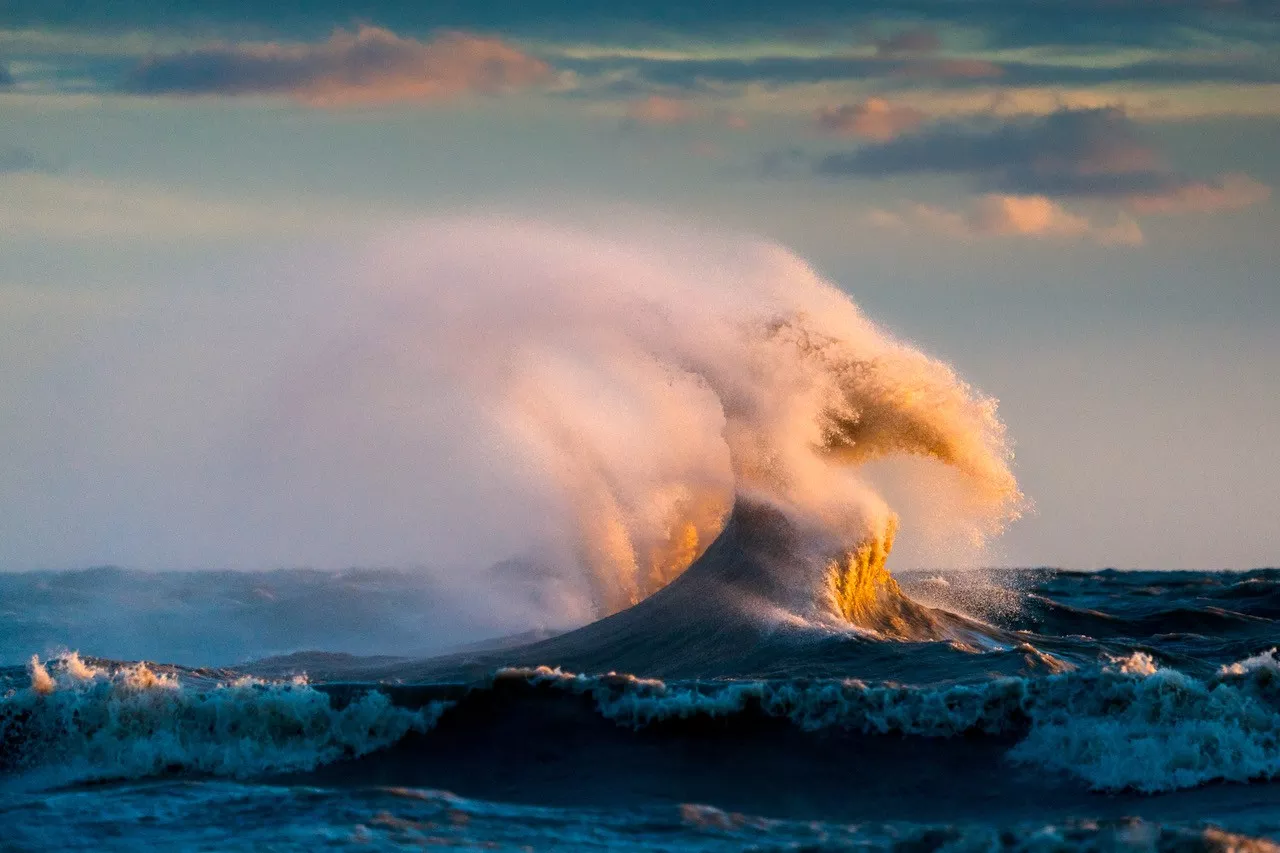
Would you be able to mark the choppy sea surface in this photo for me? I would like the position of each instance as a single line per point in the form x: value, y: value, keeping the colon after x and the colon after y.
x: 1034, y: 710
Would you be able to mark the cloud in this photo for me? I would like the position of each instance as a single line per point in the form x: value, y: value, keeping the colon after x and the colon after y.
x: 693, y: 69
x: 914, y: 51
x: 997, y: 215
x: 694, y: 73
x: 1086, y: 153
x: 874, y: 118
x: 6, y: 76
x: 659, y: 109
x: 1232, y: 191
x: 1176, y: 70
x: 914, y: 40
x: 663, y: 110
x: 1063, y: 151
x: 1002, y: 23
x: 955, y: 69
x: 369, y: 65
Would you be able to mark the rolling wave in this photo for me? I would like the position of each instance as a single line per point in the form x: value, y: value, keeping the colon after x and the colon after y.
x: 1127, y: 726
x: 81, y: 722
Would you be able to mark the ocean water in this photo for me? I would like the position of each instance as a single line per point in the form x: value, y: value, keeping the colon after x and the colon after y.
x: 1034, y: 710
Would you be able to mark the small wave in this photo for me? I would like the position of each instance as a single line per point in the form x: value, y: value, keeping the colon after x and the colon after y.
x: 80, y: 723
x: 1129, y: 725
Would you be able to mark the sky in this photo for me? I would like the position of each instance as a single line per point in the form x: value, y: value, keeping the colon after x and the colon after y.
x: 1070, y: 201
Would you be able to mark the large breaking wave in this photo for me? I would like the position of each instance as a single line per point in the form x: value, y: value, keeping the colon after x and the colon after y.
x: 652, y: 382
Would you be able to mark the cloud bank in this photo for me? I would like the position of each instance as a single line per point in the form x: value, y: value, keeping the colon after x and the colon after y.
x: 1085, y: 153
x: 369, y: 65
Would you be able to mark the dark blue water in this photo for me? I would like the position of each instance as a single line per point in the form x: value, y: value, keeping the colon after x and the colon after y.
x: 1036, y: 710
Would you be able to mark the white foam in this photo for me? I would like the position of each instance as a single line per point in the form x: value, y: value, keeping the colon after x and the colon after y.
x: 88, y: 723
x: 1263, y: 660
x: 1130, y: 725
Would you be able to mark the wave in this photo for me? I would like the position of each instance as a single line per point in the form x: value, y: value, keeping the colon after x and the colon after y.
x: 759, y: 600
x: 763, y: 381
x: 78, y: 722
x: 636, y: 387
x: 1129, y: 725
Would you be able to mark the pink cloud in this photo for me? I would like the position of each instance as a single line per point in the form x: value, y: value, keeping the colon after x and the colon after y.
x: 874, y: 118
x: 1229, y: 192
x: 998, y: 215
x: 961, y: 68
x: 657, y: 109
x: 369, y: 65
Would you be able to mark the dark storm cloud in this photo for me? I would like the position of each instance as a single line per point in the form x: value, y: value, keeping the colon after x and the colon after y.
x: 1097, y: 153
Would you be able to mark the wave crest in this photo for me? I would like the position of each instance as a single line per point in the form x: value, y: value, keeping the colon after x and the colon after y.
x: 80, y: 722
x: 1127, y: 726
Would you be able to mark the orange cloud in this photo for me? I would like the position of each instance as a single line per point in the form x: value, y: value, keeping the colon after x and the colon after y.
x: 1229, y: 192
x: 874, y: 118
x: 369, y: 65
x: 998, y: 215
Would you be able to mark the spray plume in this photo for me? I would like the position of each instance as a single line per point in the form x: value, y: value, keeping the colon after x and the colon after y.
x: 649, y: 381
